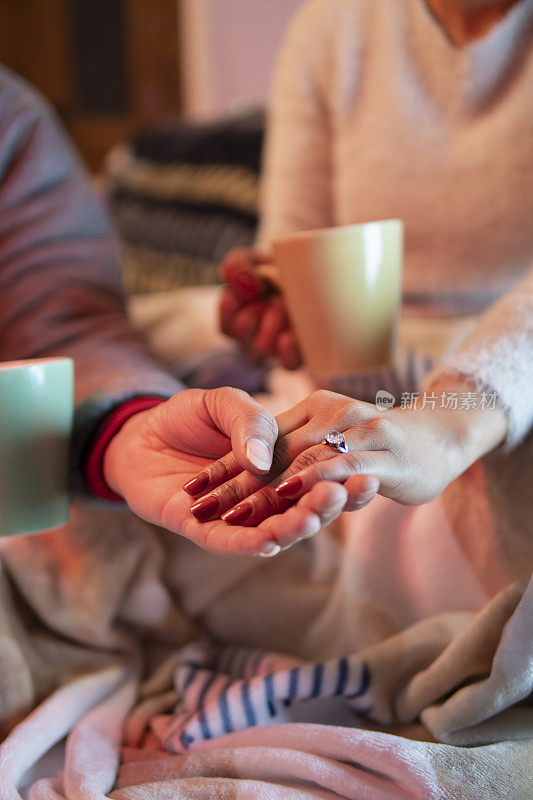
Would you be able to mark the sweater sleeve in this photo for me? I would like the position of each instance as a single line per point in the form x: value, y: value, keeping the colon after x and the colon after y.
x: 59, y: 277
x: 297, y: 172
x: 498, y: 356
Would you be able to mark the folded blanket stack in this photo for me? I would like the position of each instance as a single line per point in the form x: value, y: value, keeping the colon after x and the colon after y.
x: 182, y: 195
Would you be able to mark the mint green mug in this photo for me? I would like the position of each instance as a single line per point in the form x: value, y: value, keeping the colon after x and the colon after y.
x: 36, y: 411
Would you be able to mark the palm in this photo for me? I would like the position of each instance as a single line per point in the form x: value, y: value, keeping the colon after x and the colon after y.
x: 155, y: 485
x: 159, y: 450
x: 160, y: 453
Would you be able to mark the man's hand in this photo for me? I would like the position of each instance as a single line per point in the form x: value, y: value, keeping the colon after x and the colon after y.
x: 253, y: 312
x: 158, y: 451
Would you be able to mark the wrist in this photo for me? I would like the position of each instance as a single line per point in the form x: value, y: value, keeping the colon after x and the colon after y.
x: 474, y: 417
x: 118, y: 453
x: 98, y: 468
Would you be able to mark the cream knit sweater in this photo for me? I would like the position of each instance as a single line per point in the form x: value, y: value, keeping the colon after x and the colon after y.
x: 376, y: 114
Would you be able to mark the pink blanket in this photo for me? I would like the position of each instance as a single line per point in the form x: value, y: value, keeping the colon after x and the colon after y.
x: 142, y: 653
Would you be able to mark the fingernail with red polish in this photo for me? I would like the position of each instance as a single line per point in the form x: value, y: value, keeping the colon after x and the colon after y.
x: 247, y: 285
x: 197, y: 485
x: 290, y: 487
x: 206, y: 508
x: 239, y: 514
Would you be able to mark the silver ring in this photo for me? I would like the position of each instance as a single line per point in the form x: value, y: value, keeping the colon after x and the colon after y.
x: 336, y: 440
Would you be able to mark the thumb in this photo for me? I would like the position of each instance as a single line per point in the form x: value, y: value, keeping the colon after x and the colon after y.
x: 252, y: 429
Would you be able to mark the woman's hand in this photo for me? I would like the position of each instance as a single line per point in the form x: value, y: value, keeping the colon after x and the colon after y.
x: 159, y: 450
x: 407, y: 455
x: 252, y: 312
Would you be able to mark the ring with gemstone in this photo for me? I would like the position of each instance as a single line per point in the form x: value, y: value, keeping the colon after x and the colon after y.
x: 337, y: 440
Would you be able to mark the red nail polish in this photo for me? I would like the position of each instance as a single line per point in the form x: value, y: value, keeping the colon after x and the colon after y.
x: 206, y: 508
x: 197, y: 485
x: 239, y: 514
x: 290, y: 487
x: 247, y: 285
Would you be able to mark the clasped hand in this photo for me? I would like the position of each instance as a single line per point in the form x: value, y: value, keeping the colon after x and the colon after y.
x: 407, y: 455
x: 216, y: 467
x: 159, y: 450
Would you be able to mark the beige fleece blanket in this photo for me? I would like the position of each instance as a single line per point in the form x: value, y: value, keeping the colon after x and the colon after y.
x: 400, y: 664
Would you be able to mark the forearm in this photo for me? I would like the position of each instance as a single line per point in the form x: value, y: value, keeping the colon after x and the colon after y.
x: 497, y: 357
x: 478, y: 429
x: 59, y: 275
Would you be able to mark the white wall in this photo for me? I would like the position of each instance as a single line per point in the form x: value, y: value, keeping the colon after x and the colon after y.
x: 228, y: 51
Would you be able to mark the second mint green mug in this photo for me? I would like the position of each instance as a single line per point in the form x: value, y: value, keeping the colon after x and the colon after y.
x: 36, y: 411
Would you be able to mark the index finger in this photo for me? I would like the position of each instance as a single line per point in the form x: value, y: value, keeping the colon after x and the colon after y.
x: 239, y: 271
